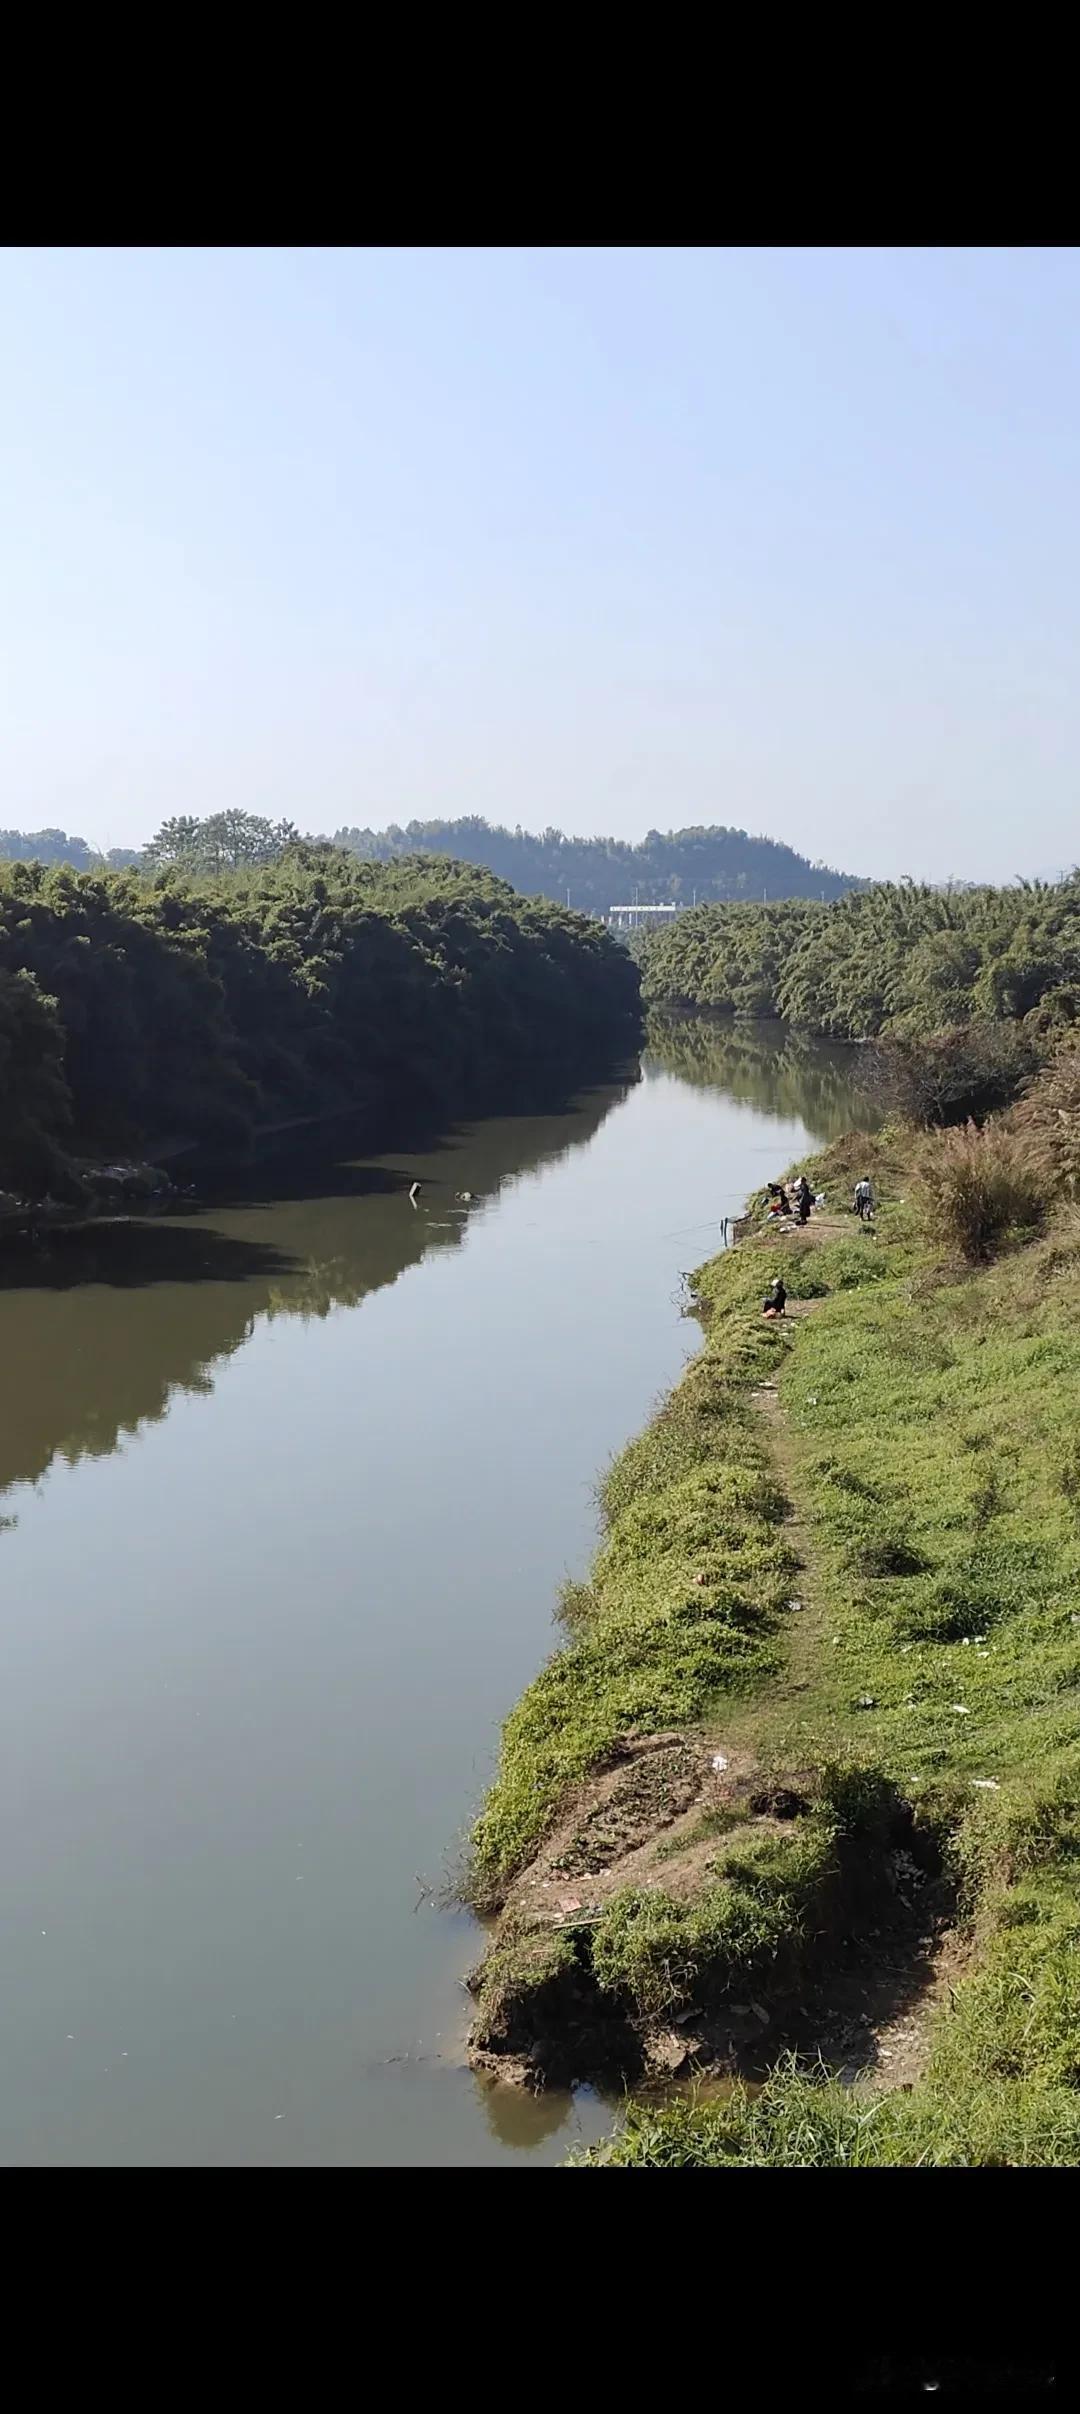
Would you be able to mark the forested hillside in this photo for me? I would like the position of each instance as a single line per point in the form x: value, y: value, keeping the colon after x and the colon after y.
x: 668, y: 868
x: 137, y: 1008
x: 890, y: 958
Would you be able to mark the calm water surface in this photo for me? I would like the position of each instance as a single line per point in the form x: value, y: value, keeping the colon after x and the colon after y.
x: 288, y: 1489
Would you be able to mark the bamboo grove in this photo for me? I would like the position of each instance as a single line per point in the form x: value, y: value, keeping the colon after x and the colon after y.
x: 892, y: 958
x: 144, y: 1008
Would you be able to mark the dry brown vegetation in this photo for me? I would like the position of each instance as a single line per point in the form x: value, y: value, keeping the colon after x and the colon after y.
x: 1050, y: 1113
x: 976, y: 1187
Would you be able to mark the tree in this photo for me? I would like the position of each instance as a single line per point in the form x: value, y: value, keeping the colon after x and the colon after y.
x: 35, y: 1107
x: 223, y: 842
x: 192, y: 1004
x: 179, y: 840
x: 892, y: 957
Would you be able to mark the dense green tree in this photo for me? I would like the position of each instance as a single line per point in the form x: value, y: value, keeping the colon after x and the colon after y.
x: 177, y: 841
x: 221, y: 842
x: 893, y: 957
x: 35, y: 1105
x: 181, y: 1004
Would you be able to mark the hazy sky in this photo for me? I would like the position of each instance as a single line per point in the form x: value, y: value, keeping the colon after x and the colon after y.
x: 610, y: 539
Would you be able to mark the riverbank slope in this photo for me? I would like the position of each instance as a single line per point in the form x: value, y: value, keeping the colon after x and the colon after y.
x: 798, y: 1802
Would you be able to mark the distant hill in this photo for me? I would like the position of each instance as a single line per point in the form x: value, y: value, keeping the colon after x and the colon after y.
x: 57, y: 846
x: 669, y: 867
x: 672, y: 867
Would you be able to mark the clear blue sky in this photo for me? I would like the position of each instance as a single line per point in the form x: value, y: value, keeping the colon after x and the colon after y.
x: 610, y: 539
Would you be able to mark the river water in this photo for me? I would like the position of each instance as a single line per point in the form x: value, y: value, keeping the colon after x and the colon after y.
x: 288, y: 1487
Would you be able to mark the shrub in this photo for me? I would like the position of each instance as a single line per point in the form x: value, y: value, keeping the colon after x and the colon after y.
x: 975, y: 1187
x: 1050, y: 1113
x: 947, y: 1077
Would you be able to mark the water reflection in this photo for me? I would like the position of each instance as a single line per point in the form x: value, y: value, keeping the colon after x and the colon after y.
x: 105, y: 1325
x: 520, y: 2119
x: 253, y: 1667
x: 766, y: 1065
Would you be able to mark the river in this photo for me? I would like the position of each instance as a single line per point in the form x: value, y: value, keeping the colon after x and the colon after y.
x: 288, y: 1487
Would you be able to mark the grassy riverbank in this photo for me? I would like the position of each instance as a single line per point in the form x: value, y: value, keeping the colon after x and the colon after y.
x: 861, y: 1591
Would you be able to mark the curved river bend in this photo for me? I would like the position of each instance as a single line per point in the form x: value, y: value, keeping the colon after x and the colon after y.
x: 288, y: 1489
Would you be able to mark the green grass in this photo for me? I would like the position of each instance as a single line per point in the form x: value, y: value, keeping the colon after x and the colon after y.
x: 684, y: 1599
x: 803, y: 2120
x: 932, y: 1425
x: 930, y: 1444
x: 934, y: 1447
x: 705, y: 1830
x: 524, y: 1964
x: 766, y: 1894
x: 660, y: 1953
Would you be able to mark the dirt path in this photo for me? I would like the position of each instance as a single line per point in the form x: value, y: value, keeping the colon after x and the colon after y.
x: 804, y: 1632
x: 872, y: 2019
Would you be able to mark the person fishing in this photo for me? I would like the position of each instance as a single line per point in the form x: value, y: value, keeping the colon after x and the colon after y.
x: 863, y: 1201
x: 804, y: 1199
x: 775, y: 1300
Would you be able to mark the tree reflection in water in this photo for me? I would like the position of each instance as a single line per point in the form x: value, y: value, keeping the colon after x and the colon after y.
x: 767, y: 1065
x: 105, y: 1325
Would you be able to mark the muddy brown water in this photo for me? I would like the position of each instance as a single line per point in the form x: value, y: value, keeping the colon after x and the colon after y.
x: 289, y: 1485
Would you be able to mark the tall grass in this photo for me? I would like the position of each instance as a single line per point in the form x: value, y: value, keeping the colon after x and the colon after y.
x: 976, y: 1187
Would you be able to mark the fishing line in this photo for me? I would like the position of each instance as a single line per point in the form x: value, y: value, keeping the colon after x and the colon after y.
x: 686, y: 1229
